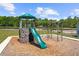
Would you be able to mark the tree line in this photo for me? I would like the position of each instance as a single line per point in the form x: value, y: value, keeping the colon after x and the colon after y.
x: 13, y: 22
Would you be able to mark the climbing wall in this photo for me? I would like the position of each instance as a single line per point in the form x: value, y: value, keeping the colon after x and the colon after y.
x: 23, y: 35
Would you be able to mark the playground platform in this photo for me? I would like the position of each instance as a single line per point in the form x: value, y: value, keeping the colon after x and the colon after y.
x: 54, y: 48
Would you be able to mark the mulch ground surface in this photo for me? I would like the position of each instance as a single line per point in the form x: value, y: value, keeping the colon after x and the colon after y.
x: 54, y: 48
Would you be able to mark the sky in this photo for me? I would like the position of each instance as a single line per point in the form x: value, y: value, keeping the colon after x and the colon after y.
x: 40, y: 10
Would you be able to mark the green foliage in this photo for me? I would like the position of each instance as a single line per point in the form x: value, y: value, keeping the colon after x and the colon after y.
x: 9, y: 21
x: 69, y: 22
x: 13, y: 22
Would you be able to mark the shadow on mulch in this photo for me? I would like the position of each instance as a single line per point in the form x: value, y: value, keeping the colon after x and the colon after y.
x: 35, y: 44
x: 32, y: 43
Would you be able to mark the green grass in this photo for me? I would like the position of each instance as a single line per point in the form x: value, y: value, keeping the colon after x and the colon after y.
x: 5, y: 33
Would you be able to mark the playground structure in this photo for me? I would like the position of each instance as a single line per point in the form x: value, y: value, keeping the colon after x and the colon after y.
x: 25, y: 34
x: 58, y: 30
x: 30, y: 33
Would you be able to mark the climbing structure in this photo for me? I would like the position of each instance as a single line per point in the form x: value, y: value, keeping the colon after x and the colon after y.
x: 24, y: 35
x: 29, y: 34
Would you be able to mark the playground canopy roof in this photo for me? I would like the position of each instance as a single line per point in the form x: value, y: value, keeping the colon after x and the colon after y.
x: 27, y: 16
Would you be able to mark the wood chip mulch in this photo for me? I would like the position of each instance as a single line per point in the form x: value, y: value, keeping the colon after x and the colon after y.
x: 54, y: 48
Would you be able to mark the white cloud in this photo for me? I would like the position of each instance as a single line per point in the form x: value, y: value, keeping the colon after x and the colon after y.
x: 45, y: 12
x: 9, y: 7
x: 75, y: 12
x: 53, y: 18
x: 39, y: 10
x: 64, y: 17
x: 51, y: 12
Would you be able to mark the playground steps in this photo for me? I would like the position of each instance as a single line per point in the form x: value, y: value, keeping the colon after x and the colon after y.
x: 24, y: 35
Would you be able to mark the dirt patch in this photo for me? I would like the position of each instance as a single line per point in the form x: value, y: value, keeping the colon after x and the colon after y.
x: 55, y: 48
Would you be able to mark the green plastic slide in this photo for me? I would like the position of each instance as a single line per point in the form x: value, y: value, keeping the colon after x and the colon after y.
x: 38, y: 38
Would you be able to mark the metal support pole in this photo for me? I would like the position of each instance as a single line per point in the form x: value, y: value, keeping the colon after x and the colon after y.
x: 57, y: 31
x: 51, y: 30
x: 61, y: 31
x: 20, y: 23
x: 78, y: 30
